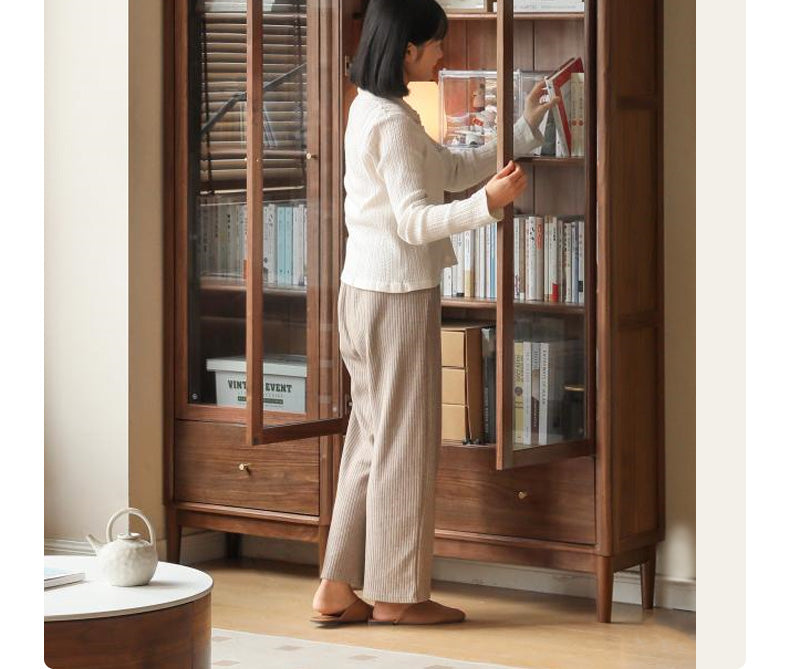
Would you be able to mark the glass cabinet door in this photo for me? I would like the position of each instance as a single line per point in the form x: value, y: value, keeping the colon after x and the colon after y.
x: 549, y: 323
x: 272, y: 108
x: 217, y: 202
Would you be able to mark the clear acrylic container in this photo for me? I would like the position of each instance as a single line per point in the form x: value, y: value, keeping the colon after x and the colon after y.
x: 468, y: 107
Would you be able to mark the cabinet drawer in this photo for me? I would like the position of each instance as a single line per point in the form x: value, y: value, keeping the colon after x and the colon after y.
x: 553, y: 501
x: 280, y: 477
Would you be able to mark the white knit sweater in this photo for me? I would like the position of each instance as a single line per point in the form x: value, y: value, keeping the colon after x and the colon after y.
x: 398, y: 225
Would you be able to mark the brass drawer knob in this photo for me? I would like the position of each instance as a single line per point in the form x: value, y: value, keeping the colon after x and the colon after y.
x: 522, y: 494
x: 244, y: 466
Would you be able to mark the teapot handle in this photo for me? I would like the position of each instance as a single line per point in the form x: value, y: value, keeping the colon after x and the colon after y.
x: 130, y: 510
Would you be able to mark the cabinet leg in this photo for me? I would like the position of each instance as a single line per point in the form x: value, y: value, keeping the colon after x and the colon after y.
x: 323, y: 535
x: 233, y: 545
x: 648, y: 578
x: 605, y: 578
x: 173, y: 536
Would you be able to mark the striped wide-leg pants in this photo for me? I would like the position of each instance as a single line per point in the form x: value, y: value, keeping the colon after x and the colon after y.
x: 381, y: 534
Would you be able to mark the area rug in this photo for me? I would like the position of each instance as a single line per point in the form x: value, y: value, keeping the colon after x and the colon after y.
x: 244, y: 650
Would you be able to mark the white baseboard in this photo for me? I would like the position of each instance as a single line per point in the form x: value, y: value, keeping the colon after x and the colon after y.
x: 202, y: 546
x: 670, y: 593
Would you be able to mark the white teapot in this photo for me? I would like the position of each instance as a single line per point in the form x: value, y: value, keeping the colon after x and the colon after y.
x: 129, y: 560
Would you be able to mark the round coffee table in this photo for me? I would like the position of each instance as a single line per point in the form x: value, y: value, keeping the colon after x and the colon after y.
x: 91, y: 624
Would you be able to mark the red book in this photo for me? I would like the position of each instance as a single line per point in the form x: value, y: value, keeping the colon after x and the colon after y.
x: 559, y: 83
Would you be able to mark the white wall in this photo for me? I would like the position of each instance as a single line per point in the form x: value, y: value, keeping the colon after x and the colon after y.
x: 86, y: 246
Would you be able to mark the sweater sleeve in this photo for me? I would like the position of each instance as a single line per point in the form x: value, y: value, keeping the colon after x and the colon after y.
x: 399, y: 161
x: 463, y: 168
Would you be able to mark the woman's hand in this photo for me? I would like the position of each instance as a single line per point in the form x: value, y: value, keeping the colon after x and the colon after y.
x: 534, y: 108
x: 505, y: 186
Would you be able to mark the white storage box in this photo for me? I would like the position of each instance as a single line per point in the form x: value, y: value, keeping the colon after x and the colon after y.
x: 284, y: 379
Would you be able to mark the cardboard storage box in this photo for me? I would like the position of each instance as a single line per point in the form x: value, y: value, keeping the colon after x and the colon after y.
x: 461, y: 344
x: 462, y: 381
x: 284, y: 379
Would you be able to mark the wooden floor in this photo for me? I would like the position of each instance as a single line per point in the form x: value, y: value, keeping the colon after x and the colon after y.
x: 515, y: 628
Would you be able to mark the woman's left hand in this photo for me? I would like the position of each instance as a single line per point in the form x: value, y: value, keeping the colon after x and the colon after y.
x: 535, y: 109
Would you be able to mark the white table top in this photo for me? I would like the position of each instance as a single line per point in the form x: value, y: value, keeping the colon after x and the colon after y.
x: 171, y: 585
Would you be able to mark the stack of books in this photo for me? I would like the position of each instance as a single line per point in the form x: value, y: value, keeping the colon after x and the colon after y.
x: 540, y: 401
x: 548, y: 261
x: 223, y: 237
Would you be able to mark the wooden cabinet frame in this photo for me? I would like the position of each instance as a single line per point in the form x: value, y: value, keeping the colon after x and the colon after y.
x: 598, y: 503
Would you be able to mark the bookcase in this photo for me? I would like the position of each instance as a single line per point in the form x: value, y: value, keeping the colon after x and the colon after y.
x: 256, y: 100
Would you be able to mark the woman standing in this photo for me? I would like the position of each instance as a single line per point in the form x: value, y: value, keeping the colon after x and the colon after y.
x: 389, y: 314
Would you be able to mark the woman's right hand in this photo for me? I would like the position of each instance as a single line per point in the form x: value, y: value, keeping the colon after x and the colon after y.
x: 505, y: 186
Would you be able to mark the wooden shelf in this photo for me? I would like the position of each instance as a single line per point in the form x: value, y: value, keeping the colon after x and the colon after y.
x: 517, y: 16
x: 554, y: 162
x: 545, y: 307
x: 236, y: 286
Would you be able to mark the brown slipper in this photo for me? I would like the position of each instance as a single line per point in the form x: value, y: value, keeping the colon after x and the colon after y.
x: 358, y: 612
x: 424, y: 613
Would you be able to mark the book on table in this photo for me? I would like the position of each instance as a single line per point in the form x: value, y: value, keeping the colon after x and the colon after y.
x: 55, y: 576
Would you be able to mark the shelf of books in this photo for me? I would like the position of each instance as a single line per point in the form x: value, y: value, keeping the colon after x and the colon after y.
x: 532, y: 10
x: 218, y: 218
x: 551, y: 253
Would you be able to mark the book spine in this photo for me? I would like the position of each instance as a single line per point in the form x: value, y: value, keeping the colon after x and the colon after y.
x: 540, y: 240
x: 553, y: 283
x: 306, y: 250
x: 458, y: 269
x: 489, y: 265
x: 527, y: 376
x: 581, y: 262
x: 574, y: 262
x: 543, y: 394
x: 577, y: 114
x: 518, y: 392
x: 243, y: 241
x: 560, y: 259
x: 516, y: 259
x: 469, y: 256
x: 298, y: 246
x: 288, y: 274
x: 280, y: 213
x: 480, y: 274
x: 567, y: 261
x: 522, y: 258
x: 535, y: 384
x: 493, y: 259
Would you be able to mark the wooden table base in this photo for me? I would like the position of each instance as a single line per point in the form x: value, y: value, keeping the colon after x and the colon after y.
x: 171, y: 638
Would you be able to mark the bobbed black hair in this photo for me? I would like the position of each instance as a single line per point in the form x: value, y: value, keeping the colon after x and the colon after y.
x: 388, y: 28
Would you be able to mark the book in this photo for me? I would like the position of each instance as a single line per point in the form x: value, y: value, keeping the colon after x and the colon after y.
x: 469, y: 267
x: 548, y: 6
x: 576, y: 119
x: 288, y: 246
x: 580, y: 299
x: 270, y: 244
x: 527, y: 376
x: 518, y: 392
x: 558, y: 84
x: 55, y: 576
x: 552, y: 375
x: 489, y: 382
